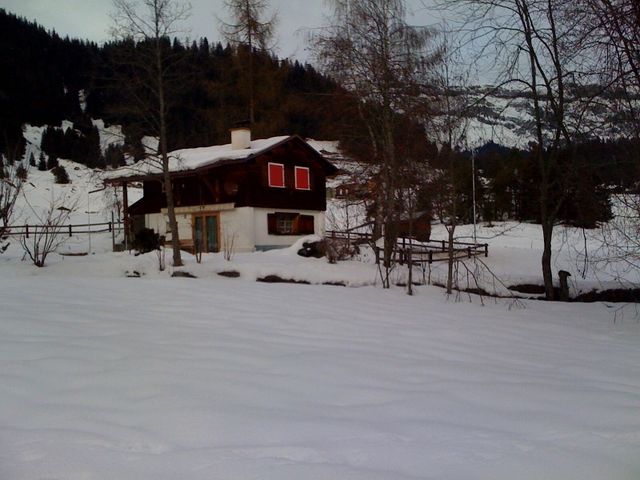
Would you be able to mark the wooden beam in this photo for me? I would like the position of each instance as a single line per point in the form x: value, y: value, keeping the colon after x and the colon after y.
x: 125, y: 211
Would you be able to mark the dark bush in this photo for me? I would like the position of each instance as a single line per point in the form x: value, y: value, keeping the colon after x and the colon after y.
x: 147, y: 240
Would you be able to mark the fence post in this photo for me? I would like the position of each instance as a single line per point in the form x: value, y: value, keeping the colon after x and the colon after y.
x: 469, y: 252
x: 26, y: 229
x: 70, y: 231
x: 113, y: 234
x: 430, y: 257
x: 443, y: 247
x: 486, y: 249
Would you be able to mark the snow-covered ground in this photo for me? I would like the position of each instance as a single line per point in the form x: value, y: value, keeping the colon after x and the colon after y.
x: 103, y: 376
x: 160, y: 378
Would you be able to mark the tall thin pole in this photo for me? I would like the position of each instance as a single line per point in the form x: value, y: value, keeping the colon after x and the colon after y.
x: 89, y: 218
x: 473, y: 178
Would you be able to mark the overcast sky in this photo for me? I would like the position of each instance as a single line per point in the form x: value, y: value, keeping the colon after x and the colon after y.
x: 89, y: 19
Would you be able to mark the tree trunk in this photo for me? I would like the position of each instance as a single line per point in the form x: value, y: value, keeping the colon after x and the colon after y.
x: 171, y: 213
x: 173, y: 224
x: 547, y: 274
x: 451, y: 231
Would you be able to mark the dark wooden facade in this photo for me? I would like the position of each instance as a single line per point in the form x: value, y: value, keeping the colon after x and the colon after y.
x: 243, y: 182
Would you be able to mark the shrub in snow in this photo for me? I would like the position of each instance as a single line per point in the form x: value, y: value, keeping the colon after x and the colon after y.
x: 61, y: 175
x: 147, y: 240
x: 49, y: 234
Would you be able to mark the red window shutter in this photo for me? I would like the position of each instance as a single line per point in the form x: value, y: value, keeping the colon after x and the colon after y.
x: 305, y: 224
x: 272, y: 224
x: 276, y: 175
x: 302, y: 178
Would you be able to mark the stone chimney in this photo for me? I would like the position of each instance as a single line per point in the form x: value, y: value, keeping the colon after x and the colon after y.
x: 240, y: 138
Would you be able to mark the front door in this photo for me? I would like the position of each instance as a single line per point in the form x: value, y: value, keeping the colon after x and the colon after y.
x: 205, y: 232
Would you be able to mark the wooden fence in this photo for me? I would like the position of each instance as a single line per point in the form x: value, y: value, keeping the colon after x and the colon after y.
x: 412, y: 250
x: 70, y: 229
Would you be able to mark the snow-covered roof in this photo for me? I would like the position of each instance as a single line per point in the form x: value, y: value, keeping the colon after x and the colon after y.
x: 194, y: 158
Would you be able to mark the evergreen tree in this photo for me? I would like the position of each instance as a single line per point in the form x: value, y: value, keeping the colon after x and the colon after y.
x: 114, y: 156
x: 60, y: 174
x: 52, y: 162
x: 32, y: 160
x: 42, y: 163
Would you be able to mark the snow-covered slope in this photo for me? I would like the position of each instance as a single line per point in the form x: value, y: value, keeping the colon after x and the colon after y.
x: 505, y: 116
x: 85, y: 195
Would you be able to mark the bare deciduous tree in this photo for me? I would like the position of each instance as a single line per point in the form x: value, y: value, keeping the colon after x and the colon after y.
x: 379, y: 59
x: 530, y: 43
x: 611, y: 29
x: 447, y: 125
x: 147, y: 26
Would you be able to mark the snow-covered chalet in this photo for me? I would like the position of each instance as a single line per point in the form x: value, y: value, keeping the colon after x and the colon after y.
x: 258, y: 194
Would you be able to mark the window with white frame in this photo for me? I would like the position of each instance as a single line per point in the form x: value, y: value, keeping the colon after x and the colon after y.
x: 276, y: 175
x: 303, y: 182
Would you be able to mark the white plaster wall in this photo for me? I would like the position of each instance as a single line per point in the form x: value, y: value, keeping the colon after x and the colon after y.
x: 237, y: 225
x: 184, y: 226
x: 157, y: 222
x: 262, y: 230
x: 247, y: 225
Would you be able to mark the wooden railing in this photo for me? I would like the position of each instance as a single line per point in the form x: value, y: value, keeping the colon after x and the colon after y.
x: 435, y: 251
x: 412, y: 250
x: 70, y: 229
x: 349, y: 236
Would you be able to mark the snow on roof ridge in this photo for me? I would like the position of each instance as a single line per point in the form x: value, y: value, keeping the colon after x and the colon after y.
x: 194, y: 158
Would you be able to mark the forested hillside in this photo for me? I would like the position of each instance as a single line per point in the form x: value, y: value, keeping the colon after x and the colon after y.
x: 45, y: 79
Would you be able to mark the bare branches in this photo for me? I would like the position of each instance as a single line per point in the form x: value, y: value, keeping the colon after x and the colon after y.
x: 50, y: 234
x: 250, y: 25
x: 10, y: 188
x: 378, y: 58
x: 148, y: 19
x: 533, y: 43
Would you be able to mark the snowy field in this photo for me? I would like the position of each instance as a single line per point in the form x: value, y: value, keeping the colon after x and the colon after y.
x: 165, y: 378
x: 107, y: 377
